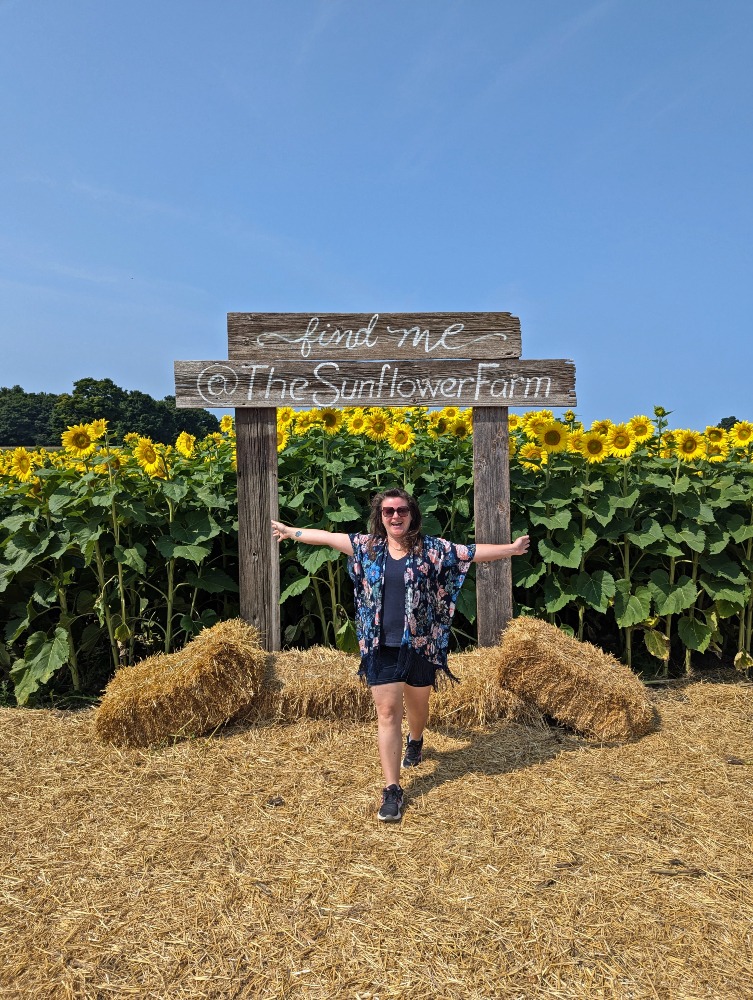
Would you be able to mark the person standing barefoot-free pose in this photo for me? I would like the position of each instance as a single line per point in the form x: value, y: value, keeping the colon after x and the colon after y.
x: 406, y: 585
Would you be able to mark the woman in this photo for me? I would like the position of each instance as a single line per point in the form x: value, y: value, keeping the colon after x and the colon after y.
x: 406, y: 585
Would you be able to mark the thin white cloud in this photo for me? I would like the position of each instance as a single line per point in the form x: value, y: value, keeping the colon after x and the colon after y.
x: 147, y: 206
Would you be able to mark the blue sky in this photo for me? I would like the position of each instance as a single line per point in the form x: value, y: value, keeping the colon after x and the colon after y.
x: 583, y: 165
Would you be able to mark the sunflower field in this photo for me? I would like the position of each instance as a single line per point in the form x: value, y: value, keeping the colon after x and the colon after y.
x: 642, y: 536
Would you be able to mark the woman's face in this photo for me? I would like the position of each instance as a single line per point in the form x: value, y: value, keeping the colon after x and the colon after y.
x: 396, y: 518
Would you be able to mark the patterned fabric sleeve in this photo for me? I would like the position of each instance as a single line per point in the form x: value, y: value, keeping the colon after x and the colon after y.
x: 451, y: 563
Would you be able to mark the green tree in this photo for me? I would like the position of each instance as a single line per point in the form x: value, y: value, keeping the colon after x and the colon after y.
x: 25, y: 418
x: 127, y: 411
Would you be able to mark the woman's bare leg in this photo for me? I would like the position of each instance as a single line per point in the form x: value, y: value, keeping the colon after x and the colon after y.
x: 417, y: 709
x: 388, y: 699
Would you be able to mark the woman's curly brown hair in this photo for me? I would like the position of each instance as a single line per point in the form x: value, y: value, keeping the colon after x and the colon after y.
x: 376, y: 523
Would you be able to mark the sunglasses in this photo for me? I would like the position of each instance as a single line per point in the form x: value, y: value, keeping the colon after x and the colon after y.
x: 400, y: 511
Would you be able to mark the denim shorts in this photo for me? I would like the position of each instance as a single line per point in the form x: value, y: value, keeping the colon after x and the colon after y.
x: 388, y: 672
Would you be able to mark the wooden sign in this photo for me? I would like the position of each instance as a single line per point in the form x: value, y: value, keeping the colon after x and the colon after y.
x: 308, y: 360
x: 366, y: 336
x: 260, y: 383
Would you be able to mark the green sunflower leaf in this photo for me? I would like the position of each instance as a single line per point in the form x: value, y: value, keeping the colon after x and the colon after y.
x: 694, y: 634
x: 566, y: 553
x: 671, y: 599
x: 596, y: 589
x: 649, y: 534
x: 295, y: 588
x: 631, y: 608
x: 525, y: 573
x: 560, y: 519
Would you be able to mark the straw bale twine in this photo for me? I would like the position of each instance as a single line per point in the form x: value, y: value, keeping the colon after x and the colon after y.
x: 186, y: 693
x: 573, y: 682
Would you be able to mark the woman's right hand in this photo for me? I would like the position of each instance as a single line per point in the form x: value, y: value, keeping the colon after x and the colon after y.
x: 281, y: 531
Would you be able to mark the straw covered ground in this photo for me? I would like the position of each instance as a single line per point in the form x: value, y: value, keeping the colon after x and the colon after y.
x: 249, y: 864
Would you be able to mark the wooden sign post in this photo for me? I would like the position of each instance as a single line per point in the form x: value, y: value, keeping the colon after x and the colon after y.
x: 399, y: 359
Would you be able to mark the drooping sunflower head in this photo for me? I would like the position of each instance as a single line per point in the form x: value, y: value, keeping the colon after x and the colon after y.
x: 21, y: 466
x: 401, y: 436
x: 741, y: 433
x: 78, y: 441
x: 569, y: 416
x: 330, y: 419
x: 185, y: 444
x: 226, y: 424
x: 532, y: 456
x: 621, y: 441
x: 642, y: 428
x: 553, y: 436
x: 718, y: 450
x: 689, y: 445
x: 283, y: 437
x: 595, y: 447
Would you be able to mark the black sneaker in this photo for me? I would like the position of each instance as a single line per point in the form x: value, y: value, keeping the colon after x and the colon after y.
x: 413, y: 755
x: 391, y: 809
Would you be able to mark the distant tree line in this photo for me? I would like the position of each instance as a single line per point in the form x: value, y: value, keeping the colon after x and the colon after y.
x: 36, y: 419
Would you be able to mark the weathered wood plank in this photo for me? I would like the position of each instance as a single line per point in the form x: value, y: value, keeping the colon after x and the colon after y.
x: 491, y: 489
x: 508, y: 382
x: 372, y: 336
x: 258, y: 554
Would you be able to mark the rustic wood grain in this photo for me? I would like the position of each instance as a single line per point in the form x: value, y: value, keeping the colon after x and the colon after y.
x: 491, y: 490
x: 372, y: 336
x: 258, y: 554
x: 508, y: 382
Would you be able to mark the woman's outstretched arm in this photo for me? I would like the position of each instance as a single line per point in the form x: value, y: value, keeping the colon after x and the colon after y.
x: 313, y: 536
x: 490, y: 553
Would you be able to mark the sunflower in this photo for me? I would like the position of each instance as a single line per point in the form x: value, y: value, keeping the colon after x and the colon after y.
x: 304, y: 421
x: 450, y: 412
x: 575, y: 442
x: 283, y: 437
x: 148, y: 458
x: 621, y: 441
x: 569, y: 416
x: 285, y: 415
x: 355, y: 421
x: 532, y: 456
x: 226, y: 424
x: 78, y: 441
x: 689, y: 445
x: 130, y: 437
x: 460, y: 428
x: 535, y: 421
x: 595, y: 447
x: 715, y: 435
x: 377, y: 425
x: 741, y: 433
x: 330, y: 419
x: 185, y: 444
x: 641, y: 428
x: 513, y: 421
x: 97, y: 429
x: 401, y: 436
x: 553, y: 436
x: 21, y: 465
x: 716, y: 451
x: 601, y: 427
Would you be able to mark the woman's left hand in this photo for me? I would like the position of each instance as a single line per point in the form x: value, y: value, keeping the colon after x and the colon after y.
x: 520, y: 545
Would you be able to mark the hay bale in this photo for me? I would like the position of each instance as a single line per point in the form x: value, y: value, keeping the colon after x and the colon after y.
x: 322, y: 683
x: 186, y: 693
x: 573, y: 682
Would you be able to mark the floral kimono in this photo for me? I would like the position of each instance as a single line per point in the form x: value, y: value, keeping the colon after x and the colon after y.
x: 433, y: 578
